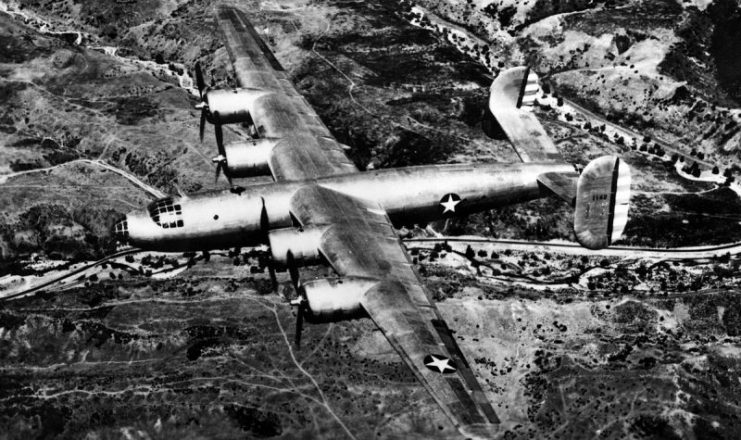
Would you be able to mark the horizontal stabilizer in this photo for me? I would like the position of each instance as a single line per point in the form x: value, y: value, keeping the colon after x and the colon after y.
x: 602, y: 202
x: 512, y: 92
x: 562, y: 185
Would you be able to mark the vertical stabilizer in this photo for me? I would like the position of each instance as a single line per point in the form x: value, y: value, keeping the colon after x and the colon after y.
x: 602, y: 202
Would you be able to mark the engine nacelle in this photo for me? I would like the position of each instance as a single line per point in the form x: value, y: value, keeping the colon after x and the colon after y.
x: 303, y: 244
x: 336, y: 299
x: 250, y: 158
x: 232, y: 106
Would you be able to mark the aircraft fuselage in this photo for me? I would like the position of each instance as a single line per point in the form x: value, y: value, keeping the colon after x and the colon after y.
x: 226, y: 219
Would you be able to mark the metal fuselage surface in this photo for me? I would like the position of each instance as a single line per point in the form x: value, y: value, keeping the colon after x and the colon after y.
x: 225, y: 219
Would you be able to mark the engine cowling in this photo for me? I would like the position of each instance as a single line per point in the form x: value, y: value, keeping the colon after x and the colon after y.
x: 303, y: 243
x: 232, y: 106
x: 336, y: 299
x: 250, y: 158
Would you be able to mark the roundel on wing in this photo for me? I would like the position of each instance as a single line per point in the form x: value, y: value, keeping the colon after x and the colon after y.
x: 439, y: 364
x: 449, y: 204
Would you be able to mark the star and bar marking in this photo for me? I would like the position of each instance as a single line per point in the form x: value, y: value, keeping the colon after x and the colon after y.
x: 438, y: 363
x: 449, y: 202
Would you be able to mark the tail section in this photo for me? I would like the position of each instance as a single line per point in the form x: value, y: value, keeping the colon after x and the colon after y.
x: 600, y: 195
x: 602, y: 202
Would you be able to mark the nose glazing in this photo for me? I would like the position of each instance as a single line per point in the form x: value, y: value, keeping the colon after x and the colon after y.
x: 121, y: 230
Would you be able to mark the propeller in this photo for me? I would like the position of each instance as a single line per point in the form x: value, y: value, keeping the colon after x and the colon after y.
x: 215, y: 118
x: 204, y: 116
x: 301, y: 301
x: 219, y: 133
x: 299, y: 322
x: 220, y: 160
x: 221, y: 167
x: 265, y: 230
x: 201, y: 84
x: 293, y: 271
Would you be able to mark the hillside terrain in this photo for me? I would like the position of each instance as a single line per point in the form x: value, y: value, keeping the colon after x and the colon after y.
x: 667, y: 67
x: 396, y: 93
x: 660, y: 69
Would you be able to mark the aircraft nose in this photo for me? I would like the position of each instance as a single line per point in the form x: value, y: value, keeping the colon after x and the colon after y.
x: 121, y: 230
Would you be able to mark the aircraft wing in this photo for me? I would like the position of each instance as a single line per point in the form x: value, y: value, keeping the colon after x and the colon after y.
x: 304, y: 148
x: 360, y: 241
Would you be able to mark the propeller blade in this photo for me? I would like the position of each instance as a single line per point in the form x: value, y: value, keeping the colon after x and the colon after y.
x: 200, y: 83
x: 301, y: 301
x: 299, y: 324
x: 202, y: 128
x: 264, y: 220
x: 218, y: 171
x: 219, y: 134
x: 293, y: 271
x: 265, y: 230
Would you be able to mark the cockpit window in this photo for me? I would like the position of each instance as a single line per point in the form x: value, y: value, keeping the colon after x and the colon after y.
x: 121, y: 230
x: 166, y: 213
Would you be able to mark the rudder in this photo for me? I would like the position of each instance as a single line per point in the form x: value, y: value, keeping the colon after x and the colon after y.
x: 602, y: 202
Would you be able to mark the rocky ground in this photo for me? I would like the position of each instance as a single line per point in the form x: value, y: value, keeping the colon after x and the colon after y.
x: 87, y: 133
x: 209, y: 353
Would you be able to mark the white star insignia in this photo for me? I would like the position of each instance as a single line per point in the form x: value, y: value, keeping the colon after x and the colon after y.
x: 439, y: 363
x: 450, y: 204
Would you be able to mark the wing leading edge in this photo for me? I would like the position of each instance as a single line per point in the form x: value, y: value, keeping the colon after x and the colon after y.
x: 305, y: 149
x: 361, y: 242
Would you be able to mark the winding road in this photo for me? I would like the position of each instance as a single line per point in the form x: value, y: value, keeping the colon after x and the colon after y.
x: 460, y: 243
x: 629, y: 133
x: 66, y: 275
x: 681, y: 253
x: 154, y: 192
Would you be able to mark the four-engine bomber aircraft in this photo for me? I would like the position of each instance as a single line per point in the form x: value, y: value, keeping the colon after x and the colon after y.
x: 320, y: 209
